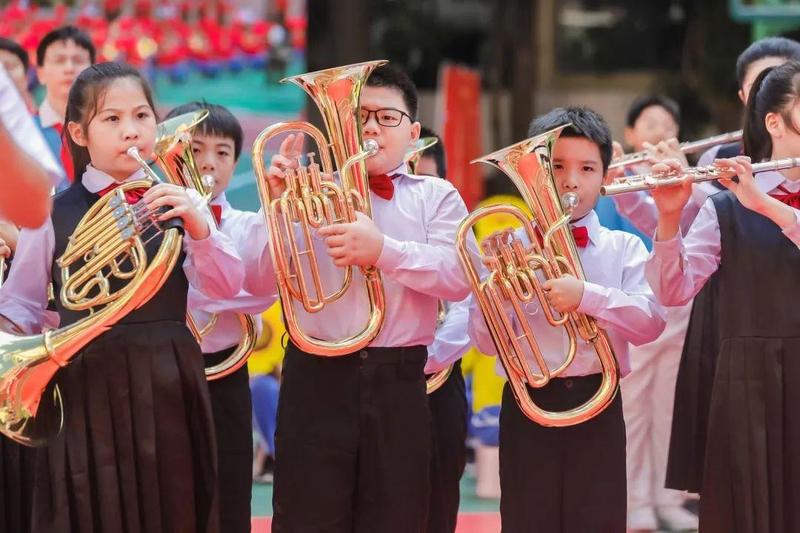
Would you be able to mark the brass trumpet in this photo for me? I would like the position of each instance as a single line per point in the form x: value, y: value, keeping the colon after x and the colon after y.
x: 173, y: 150
x: 687, y: 148
x: 644, y: 182
x: 313, y: 198
x: 514, y: 278
x: 107, y: 247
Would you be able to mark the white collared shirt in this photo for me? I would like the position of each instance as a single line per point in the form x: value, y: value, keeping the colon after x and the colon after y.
x: 678, y: 268
x: 615, y: 293
x: 48, y: 116
x: 22, y: 128
x: 239, y: 227
x: 212, y: 265
x: 418, y: 263
x: 451, y: 340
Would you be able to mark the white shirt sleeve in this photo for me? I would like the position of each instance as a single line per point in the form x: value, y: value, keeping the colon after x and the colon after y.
x: 212, y: 265
x: 451, y: 340
x: 631, y: 310
x: 23, y: 297
x: 432, y: 267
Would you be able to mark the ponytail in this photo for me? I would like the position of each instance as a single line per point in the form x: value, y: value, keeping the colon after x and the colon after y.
x: 755, y: 137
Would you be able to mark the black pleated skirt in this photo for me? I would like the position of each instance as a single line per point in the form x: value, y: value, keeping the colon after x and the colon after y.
x: 693, y: 394
x: 751, y: 482
x: 137, y: 452
x: 16, y: 486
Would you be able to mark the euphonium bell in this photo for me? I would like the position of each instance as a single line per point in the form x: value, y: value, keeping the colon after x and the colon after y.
x: 173, y: 152
x: 516, y: 271
x: 106, y: 248
x: 314, y: 198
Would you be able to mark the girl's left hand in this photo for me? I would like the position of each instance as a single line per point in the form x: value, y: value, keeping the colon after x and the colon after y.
x: 181, y: 205
x: 745, y: 190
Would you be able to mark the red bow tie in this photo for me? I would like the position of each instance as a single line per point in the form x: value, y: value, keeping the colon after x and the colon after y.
x: 382, y: 186
x: 131, y: 195
x: 581, y: 236
x: 791, y: 199
x: 216, y: 210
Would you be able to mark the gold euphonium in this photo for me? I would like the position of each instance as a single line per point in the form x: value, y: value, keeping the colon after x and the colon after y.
x: 173, y: 150
x: 314, y: 198
x: 516, y: 271
x: 412, y: 159
x: 106, y: 248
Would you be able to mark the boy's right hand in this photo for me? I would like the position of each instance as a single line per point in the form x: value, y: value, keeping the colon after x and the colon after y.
x: 287, y: 158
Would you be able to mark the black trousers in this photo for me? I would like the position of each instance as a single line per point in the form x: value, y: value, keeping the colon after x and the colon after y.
x: 233, y: 423
x: 449, y: 412
x: 562, y: 480
x: 353, y: 443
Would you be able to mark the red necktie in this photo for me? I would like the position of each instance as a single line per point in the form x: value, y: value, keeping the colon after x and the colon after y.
x: 66, y: 157
x: 791, y: 199
x: 217, y: 211
x: 131, y: 195
x: 581, y: 236
x: 382, y: 186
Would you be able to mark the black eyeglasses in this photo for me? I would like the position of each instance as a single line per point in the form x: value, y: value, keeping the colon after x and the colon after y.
x: 388, y: 116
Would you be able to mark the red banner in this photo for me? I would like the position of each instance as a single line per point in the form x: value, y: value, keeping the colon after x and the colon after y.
x: 461, y: 130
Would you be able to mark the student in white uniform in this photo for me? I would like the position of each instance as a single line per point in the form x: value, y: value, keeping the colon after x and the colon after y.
x: 572, y: 479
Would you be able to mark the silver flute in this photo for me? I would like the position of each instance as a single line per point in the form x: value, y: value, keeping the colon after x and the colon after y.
x: 644, y: 182
x: 687, y: 148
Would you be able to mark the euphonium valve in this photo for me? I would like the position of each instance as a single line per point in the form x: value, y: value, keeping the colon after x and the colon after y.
x: 314, y: 197
x: 516, y: 270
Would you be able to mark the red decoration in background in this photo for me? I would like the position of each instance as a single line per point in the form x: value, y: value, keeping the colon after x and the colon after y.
x: 461, y: 132
x: 209, y: 32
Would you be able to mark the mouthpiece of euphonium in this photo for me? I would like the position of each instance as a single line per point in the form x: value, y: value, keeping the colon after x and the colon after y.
x: 569, y: 201
x: 371, y: 146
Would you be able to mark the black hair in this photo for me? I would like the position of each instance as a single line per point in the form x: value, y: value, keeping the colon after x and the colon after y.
x: 775, y: 90
x: 14, y: 47
x: 643, y: 102
x: 84, y: 98
x: 583, y: 123
x: 65, y: 33
x: 436, y: 151
x: 394, y: 78
x: 220, y: 122
x: 767, y: 47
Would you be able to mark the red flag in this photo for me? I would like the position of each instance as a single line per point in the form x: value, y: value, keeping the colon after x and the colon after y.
x: 461, y: 100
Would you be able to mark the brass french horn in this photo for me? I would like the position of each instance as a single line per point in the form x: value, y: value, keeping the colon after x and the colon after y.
x: 108, y: 244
